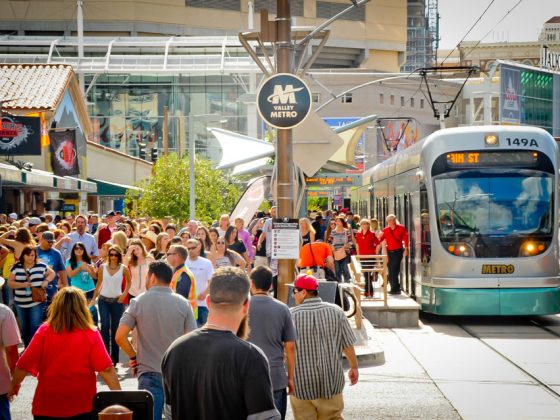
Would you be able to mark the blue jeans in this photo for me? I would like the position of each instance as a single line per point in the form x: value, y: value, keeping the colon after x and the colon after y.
x: 281, y: 401
x: 92, y: 309
x: 110, y: 314
x: 5, y: 408
x: 30, y: 319
x: 151, y: 381
x: 342, y: 270
x: 202, y: 316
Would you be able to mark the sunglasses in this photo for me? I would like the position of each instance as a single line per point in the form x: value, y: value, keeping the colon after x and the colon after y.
x: 112, y: 254
x: 296, y: 291
x: 220, y: 243
x: 80, y: 249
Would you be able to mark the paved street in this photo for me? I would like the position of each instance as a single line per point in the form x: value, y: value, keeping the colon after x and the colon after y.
x: 440, y: 371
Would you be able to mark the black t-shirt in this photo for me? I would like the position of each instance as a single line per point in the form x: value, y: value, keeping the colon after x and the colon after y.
x: 238, y: 246
x: 211, y: 374
x: 261, y: 252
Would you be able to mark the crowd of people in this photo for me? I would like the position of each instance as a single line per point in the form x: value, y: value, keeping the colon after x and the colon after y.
x: 146, y: 283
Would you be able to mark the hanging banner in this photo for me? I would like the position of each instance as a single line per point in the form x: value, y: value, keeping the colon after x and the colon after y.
x: 64, y: 154
x: 257, y: 192
x: 510, y: 95
x: 20, y: 136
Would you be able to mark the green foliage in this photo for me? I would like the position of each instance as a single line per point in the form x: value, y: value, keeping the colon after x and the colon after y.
x: 316, y: 204
x: 166, y: 192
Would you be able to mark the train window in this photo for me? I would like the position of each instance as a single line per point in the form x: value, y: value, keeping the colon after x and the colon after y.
x: 425, y: 241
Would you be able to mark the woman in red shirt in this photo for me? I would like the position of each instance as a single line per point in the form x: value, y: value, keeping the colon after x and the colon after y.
x: 64, y: 355
x: 368, y: 244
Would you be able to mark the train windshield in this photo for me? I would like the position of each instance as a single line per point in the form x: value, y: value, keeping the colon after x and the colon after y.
x: 495, y: 213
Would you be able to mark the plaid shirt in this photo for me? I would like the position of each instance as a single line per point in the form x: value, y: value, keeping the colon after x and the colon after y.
x: 323, y: 333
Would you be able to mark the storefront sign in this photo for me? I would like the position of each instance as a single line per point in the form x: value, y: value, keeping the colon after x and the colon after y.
x: 20, y: 136
x: 284, y: 100
x: 334, y: 180
x: 285, y: 239
x: 319, y: 193
x: 550, y: 60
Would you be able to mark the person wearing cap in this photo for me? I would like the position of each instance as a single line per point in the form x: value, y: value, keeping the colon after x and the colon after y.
x: 395, y: 236
x: 32, y: 224
x: 80, y: 235
x: 273, y: 331
x: 324, y: 333
x: 52, y: 257
x: 12, y: 217
x: 235, y: 373
x: 106, y: 233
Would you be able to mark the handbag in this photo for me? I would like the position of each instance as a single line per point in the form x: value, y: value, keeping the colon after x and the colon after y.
x: 38, y: 294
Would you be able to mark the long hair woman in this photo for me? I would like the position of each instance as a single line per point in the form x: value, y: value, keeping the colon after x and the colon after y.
x: 341, y: 239
x: 119, y: 238
x: 82, y: 273
x: 65, y: 355
x: 203, y: 234
x: 137, y: 259
x: 28, y: 273
x: 111, y: 297
x: 162, y: 244
x: 307, y: 231
x: 22, y: 239
x: 233, y: 243
x: 224, y: 257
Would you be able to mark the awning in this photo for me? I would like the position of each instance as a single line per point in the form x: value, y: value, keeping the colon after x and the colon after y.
x: 106, y: 188
x: 10, y: 175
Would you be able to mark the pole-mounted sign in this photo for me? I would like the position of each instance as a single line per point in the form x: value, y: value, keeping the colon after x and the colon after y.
x: 284, y: 100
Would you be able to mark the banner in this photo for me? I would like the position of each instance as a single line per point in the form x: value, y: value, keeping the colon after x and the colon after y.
x: 64, y: 154
x: 510, y: 95
x: 20, y: 136
x: 251, y: 199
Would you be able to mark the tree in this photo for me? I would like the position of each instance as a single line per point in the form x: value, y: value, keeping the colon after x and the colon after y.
x: 166, y: 192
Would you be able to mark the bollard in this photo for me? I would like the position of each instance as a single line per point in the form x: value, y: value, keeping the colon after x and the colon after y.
x: 115, y: 412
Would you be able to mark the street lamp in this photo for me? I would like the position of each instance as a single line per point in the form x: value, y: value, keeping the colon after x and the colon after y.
x: 191, y: 139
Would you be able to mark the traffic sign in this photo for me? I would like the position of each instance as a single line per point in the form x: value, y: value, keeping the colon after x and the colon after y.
x: 284, y: 100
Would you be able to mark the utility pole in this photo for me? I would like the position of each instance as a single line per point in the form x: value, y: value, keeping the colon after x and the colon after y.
x: 284, y: 148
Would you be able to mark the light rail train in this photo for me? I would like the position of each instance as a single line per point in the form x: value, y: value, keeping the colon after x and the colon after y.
x: 481, y: 208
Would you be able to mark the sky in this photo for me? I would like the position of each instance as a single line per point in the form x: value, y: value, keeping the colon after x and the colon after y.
x: 524, y: 23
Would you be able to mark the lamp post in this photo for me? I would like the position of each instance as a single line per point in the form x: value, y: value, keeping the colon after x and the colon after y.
x: 192, y: 151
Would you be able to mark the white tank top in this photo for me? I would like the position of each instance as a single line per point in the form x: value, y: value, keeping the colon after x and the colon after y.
x: 112, y: 284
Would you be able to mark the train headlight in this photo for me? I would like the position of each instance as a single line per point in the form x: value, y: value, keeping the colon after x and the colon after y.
x: 530, y: 248
x: 460, y: 249
x: 491, y: 140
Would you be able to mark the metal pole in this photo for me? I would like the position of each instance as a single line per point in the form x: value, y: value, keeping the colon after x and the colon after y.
x: 165, y: 130
x: 80, y: 18
x: 284, y: 152
x: 192, y: 198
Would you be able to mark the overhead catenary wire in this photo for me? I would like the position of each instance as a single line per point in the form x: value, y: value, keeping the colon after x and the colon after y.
x: 490, y: 31
x: 469, y: 31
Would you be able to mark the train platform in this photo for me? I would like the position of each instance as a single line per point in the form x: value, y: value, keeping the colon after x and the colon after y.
x: 400, y: 312
x: 368, y: 350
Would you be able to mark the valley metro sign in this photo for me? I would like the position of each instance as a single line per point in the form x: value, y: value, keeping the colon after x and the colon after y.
x: 284, y: 100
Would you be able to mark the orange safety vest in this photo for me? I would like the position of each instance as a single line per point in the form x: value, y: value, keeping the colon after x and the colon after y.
x: 192, y: 293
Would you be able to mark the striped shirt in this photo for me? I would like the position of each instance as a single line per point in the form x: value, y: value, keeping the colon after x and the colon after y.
x: 323, y: 333
x: 37, y: 275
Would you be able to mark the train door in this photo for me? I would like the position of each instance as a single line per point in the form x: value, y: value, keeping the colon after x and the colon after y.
x: 425, y: 238
x: 408, y: 222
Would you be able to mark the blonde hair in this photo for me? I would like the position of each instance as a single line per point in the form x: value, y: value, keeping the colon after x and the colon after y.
x: 68, y: 311
x: 307, y: 223
x: 120, y: 239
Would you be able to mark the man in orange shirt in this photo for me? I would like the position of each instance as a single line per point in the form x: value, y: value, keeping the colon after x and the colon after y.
x: 316, y: 256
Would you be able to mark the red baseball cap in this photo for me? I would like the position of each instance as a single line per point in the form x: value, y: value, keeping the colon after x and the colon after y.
x: 307, y: 282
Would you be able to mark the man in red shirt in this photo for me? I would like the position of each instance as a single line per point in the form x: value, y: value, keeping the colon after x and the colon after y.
x: 395, y: 235
x: 106, y: 233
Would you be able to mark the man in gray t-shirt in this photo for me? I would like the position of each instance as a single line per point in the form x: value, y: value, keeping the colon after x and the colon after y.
x: 160, y: 317
x: 272, y: 329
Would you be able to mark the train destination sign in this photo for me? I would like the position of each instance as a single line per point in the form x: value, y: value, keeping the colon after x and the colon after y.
x: 485, y: 159
x: 284, y: 100
x: 334, y: 180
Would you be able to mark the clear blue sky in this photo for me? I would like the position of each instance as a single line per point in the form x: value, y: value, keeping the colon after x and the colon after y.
x: 524, y: 23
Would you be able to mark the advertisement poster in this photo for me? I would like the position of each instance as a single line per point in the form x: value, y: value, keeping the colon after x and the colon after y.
x: 64, y: 153
x: 510, y: 89
x: 20, y: 136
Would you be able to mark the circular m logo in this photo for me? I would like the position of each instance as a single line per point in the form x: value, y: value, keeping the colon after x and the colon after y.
x: 284, y: 100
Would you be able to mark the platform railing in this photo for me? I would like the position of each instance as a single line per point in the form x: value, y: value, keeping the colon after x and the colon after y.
x: 361, y: 264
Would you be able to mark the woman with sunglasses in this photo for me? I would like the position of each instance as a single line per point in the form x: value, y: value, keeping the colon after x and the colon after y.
x: 341, y: 240
x: 330, y: 228
x: 224, y: 257
x: 82, y: 273
x: 25, y: 274
x: 111, y: 298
